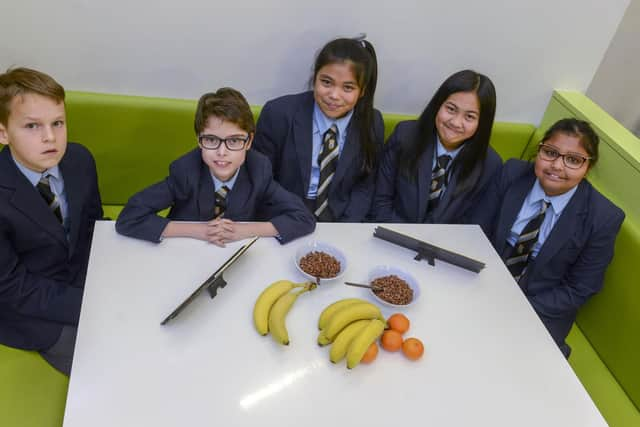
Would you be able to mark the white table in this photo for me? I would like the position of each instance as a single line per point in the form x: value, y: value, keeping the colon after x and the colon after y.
x: 488, y: 360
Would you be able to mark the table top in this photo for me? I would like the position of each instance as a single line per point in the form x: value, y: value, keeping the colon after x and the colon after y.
x: 488, y: 359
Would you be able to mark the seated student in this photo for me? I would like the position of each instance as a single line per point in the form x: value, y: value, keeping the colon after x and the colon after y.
x: 221, y: 182
x: 324, y: 144
x: 434, y: 170
x: 49, y: 202
x: 554, y: 231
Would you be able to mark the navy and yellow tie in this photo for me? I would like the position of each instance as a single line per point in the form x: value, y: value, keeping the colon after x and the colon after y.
x: 520, y: 255
x: 44, y: 188
x: 437, y: 180
x: 328, y: 162
x: 221, y: 202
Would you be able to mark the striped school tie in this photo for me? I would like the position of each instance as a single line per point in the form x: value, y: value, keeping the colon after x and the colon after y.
x: 328, y: 162
x: 437, y: 180
x: 221, y: 202
x: 520, y: 254
x: 44, y: 188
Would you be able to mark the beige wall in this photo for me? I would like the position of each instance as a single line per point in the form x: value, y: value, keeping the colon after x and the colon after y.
x: 616, y: 84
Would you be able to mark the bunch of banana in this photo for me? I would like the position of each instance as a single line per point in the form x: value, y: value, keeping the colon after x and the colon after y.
x: 351, y: 325
x: 273, y: 305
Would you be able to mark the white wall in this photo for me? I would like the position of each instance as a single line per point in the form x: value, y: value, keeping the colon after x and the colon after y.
x: 616, y: 84
x: 265, y: 48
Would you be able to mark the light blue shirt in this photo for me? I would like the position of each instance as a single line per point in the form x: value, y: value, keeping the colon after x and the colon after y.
x: 532, y: 206
x: 56, y: 182
x: 439, y: 151
x: 321, y: 124
x: 230, y: 183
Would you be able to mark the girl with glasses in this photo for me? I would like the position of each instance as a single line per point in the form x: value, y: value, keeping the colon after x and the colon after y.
x: 217, y: 187
x: 555, y: 232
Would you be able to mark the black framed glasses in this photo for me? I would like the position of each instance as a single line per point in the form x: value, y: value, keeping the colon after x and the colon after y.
x: 570, y: 160
x: 233, y: 143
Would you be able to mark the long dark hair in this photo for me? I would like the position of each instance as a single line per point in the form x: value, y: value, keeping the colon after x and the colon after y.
x: 469, y: 162
x: 362, y: 57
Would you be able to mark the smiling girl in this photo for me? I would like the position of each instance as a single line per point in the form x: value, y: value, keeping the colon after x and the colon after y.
x: 555, y: 232
x: 435, y: 169
x: 324, y: 144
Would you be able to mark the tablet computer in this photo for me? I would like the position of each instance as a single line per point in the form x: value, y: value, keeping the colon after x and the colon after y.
x: 214, y: 280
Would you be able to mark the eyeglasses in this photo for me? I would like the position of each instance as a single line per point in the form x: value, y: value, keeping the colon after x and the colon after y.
x: 570, y: 160
x: 233, y: 143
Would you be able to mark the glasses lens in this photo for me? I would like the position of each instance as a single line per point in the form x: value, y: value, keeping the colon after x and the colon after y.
x: 210, y: 141
x: 572, y: 161
x: 548, y: 153
x: 235, y: 143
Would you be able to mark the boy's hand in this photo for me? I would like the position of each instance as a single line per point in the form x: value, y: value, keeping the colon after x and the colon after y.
x: 222, y: 231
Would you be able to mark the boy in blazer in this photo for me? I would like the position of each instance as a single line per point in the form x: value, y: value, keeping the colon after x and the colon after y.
x: 49, y: 201
x: 218, y: 184
x: 555, y: 232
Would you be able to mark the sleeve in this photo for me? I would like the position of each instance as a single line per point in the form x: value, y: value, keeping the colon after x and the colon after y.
x: 32, y: 294
x: 285, y: 211
x: 140, y: 219
x: 266, y: 139
x: 360, y: 202
x: 383, y: 209
x: 585, y: 277
x: 491, y: 173
x: 486, y: 210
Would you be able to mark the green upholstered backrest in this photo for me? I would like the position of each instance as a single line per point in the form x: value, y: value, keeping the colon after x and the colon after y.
x: 611, y: 319
x: 134, y: 138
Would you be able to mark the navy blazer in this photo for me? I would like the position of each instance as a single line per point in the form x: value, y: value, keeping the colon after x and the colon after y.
x: 398, y: 199
x: 284, y: 133
x: 570, y: 265
x: 41, y: 272
x: 190, y: 192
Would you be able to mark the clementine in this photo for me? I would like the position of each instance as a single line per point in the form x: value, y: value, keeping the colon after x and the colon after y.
x: 370, y: 354
x: 398, y: 322
x: 391, y: 340
x: 413, y: 348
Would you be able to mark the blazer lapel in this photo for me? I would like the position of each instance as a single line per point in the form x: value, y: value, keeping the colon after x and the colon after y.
x: 303, y: 140
x: 73, y: 186
x: 565, y: 227
x: 425, y: 167
x: 511, y: 206
x: 239, y: 195
x: 349, y: 153
x: 27, y: 199
x: 206, y: 193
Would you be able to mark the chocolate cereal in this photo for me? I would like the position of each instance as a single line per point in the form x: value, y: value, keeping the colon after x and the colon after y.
x: 393, y: 290
x: 320, y: 264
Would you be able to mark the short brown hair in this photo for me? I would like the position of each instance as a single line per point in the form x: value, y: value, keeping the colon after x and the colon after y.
x: 227, y: 104
x: 19, y: 81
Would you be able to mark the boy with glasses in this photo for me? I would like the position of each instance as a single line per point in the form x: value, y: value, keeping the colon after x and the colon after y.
x: 221, y: 184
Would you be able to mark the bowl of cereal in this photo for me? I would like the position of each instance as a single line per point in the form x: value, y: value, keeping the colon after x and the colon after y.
x: 320, y: 261
x: 393, y: 286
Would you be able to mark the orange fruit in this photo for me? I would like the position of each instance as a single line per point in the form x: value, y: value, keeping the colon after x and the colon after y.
x: 370, y: 354
x: 391, y: 340
x: 413, y: 348
x: 398, y: 322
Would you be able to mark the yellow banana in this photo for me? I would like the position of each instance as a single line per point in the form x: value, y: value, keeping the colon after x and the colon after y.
x: 343, y: 339
x: 362, y: 341
x: 278, y: 315
x: 322, y: 339
x: 266, y: 300
x: 333, y: 308
x: 350, y: 314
